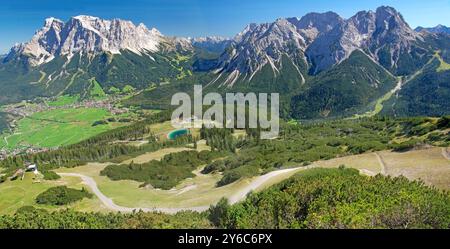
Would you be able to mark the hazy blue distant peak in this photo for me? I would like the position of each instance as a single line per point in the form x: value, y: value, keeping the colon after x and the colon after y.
x: 438, y: 29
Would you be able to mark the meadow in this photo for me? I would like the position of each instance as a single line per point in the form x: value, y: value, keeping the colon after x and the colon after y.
x: 64, y: 100
x: 57, y: 128
x: 19, y: 193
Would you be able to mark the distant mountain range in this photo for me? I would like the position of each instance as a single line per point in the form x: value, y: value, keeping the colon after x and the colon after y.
x: 322, y: 64
x: 438, y: 29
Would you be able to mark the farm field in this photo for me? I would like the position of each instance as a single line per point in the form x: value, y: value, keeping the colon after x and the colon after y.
x: 56, y: 128
x: 63, y: 100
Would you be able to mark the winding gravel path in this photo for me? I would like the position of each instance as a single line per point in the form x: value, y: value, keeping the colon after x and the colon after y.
x: 446, y: 153
x: 259, y: 181
x: 382, y: 164
x: 240, y: 195
x: 235, y: 198
x: 109, y: 203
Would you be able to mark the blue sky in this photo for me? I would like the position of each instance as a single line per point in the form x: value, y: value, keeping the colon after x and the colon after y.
x: 19, y: 19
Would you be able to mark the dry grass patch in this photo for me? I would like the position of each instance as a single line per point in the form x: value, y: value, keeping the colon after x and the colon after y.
x: 366, y: 161
x: 428, y: 165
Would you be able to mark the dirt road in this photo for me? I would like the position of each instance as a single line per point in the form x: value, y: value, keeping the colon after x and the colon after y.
x: 240, y: 195
x: 382, y: 164
x: 446, y: 153
x: 109, y: 203
x: 235, y: 198
x: 259, y: 181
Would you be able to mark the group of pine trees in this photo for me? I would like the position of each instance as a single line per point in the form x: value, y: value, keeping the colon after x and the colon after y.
x: 219, y: 139
x: 163, y: 174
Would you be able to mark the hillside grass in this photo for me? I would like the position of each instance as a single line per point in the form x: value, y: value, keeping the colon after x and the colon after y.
x: 64, y: 100
x: 428, y: 165
x: 128, y: 193
x: 18, y: 193
x: 443, y: 66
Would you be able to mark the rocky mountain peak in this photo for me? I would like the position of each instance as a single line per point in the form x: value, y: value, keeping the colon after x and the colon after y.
x: 383, y: 30
x: 364, y: 21
x: 261, y: 44
x: 313, y: 24
x: 86, y: 35
x: 391, y: 25
x: 53, y: 22
x: 249, y: 28
x: 214, y: 44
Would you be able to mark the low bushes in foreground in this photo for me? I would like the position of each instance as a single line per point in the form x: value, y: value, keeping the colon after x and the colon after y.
x: 338, y: 198
x: 32, y: 218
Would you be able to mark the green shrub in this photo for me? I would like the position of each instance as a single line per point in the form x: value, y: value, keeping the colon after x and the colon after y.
x: 164, y: 174
x: 50, y: 175
x: 340, y: 198
x: 218, y: 213
x: 444, y: 122
x: 3, y: 178
x: 100, y: 122
x: 61, y: 195
x: 229, y: 177
x: 405, y: 146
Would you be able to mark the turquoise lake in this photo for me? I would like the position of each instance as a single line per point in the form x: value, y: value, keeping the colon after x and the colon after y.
x: 177, y: 133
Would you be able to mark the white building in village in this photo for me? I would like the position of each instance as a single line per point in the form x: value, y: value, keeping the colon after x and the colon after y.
x: 32, y: 168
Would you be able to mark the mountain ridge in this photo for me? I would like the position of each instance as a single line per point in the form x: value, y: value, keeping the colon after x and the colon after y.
x: 437, y: 29
x: 288, y: 56
x: 86, y: 35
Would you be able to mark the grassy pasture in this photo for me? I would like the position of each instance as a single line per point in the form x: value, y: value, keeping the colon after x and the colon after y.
x: 367, y: 161
x: 428, y: 165
x: 147, y: 157
x: 443, y: 66
x: 56, y: 128
x: 64, y: 100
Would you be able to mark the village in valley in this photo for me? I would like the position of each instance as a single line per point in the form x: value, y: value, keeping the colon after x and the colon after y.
x: 26, y: 109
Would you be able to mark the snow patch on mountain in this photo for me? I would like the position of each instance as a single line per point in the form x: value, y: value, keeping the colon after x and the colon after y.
x: 89, y: 36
